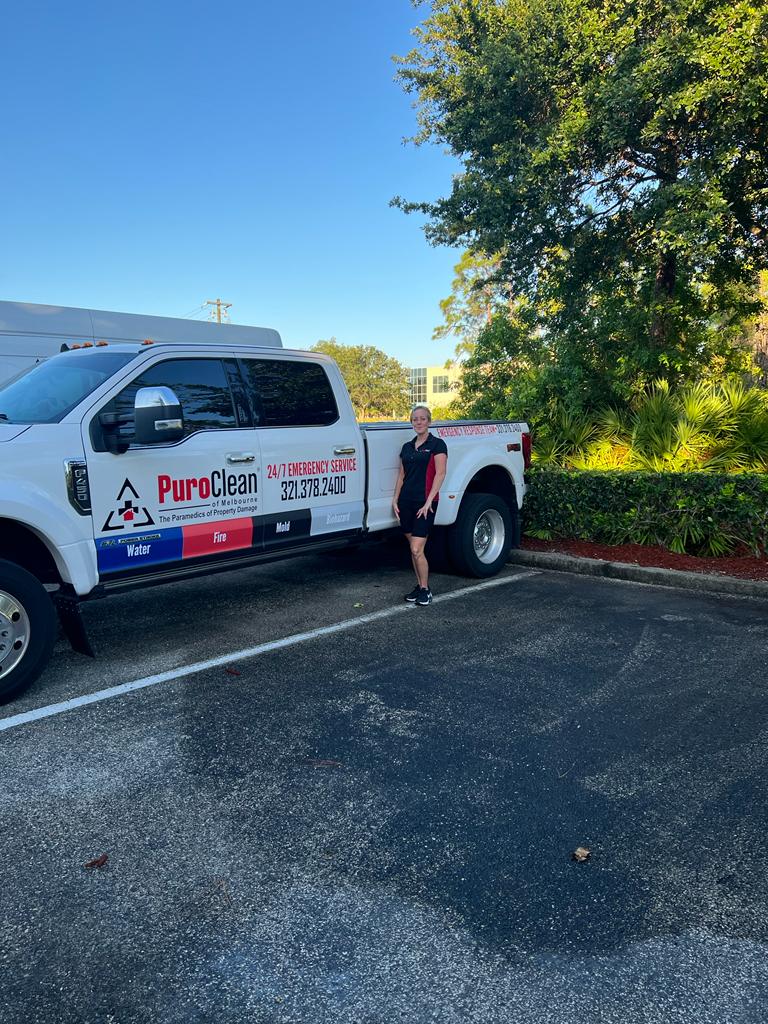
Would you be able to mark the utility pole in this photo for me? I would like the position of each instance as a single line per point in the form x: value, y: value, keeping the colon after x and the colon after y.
x: 221, y: 315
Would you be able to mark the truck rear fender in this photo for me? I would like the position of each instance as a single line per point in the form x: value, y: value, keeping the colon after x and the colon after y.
x: 493, y: 479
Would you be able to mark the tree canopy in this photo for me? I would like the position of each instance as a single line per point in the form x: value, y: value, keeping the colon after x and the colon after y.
x: 377, y: 383
x: 615, y: 162
x: 472, y: 302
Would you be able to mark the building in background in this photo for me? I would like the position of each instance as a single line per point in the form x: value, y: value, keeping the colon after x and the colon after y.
x: 434, y: 386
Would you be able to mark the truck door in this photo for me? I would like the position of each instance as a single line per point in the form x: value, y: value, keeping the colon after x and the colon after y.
x: 312, y: 464
x: 196, y: 498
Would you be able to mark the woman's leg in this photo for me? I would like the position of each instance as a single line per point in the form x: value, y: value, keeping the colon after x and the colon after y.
x: 409, y: 538
x: 419, y: 559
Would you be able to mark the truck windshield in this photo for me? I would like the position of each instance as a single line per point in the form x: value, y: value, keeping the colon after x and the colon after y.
x: 47, y: 392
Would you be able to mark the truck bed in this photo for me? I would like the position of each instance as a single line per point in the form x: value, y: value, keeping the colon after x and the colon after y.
x: 384, y: 440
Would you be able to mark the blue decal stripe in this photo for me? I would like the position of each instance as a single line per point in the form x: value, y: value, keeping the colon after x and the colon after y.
x: 117, y: 554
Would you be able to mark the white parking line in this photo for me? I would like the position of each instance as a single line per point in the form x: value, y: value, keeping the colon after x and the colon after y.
x: 250, y: 652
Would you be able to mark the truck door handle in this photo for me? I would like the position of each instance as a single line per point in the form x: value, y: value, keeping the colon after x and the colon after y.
x: 343, y: 451
x: 241, y: 457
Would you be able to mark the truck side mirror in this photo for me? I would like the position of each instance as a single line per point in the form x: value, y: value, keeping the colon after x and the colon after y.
x: 116, y: 431
x: 158, y: 416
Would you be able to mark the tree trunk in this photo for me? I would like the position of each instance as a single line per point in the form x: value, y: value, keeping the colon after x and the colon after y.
x: 663, y: 292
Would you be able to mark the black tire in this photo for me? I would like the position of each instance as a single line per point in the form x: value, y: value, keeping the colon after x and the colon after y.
x: 27, y: 629
x: 482, y: 535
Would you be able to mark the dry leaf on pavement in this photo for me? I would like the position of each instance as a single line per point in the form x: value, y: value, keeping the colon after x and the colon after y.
x: 97, y: 862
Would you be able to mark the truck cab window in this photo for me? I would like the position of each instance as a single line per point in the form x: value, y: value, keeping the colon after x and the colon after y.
x: 289, y: 393
x: 201, y: 386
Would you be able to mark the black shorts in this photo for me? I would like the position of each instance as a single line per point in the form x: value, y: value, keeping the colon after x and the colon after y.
x: 420, y: 527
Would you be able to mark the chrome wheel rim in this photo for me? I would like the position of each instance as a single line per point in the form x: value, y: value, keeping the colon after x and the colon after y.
x: 14, y: 632
x: 488, y: 536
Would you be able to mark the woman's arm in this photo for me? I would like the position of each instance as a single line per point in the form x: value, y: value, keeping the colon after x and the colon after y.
x: 441, y: 465
x: 398, y: 488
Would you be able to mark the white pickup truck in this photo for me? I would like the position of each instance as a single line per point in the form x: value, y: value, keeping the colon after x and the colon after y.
x: 126, y: 464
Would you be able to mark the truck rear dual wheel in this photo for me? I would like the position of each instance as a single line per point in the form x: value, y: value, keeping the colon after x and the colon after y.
x: 27, y: 629
x: 481, y: 538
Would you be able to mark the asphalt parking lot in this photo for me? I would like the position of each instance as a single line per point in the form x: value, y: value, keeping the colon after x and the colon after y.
x: 376, y: 824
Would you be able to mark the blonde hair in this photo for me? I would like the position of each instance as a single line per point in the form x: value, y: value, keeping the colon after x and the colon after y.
x: 426, y: 409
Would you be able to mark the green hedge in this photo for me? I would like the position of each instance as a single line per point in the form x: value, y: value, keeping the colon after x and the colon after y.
x: 693, y: 513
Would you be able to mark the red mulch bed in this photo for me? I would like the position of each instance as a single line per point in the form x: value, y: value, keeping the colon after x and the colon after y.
x: 747, y: 567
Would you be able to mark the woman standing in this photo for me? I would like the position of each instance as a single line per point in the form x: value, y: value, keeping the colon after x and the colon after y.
x: 422, y: 470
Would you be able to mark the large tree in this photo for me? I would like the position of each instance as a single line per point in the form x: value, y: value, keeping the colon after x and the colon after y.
x: 377, y: 383
x: 615, y: 156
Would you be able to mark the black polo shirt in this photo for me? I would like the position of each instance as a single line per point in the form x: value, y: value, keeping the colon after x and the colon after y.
x: 419, y: 467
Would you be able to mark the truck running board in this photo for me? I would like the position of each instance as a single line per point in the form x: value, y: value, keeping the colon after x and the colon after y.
x: 68, y: 608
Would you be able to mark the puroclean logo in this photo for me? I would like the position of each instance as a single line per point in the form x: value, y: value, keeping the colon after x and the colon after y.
x: 128, y: 514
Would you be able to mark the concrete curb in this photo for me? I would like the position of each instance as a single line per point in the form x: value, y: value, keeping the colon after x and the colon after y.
x: 640, y: 573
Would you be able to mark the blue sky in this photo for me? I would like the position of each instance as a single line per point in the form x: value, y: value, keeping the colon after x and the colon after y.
x: 159, y: 154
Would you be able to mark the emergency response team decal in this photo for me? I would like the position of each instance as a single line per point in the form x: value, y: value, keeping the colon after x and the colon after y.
x: 478, y: 428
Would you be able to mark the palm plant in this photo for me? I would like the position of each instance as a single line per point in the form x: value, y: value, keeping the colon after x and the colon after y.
x: 564, y: 438
x: 744, y: 446
x: 716, y: 427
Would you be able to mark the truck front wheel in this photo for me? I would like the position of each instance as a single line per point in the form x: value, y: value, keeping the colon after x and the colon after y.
x: 482, y: 535
x: 27, y: 629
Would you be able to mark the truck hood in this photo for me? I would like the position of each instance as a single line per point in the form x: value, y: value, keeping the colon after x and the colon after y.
x: 8, y: 431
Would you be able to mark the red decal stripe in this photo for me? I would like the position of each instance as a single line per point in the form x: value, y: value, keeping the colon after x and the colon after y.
x: 430, y: 476
x: 223, y: 535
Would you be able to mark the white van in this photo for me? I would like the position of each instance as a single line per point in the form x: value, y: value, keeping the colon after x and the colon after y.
x: 30, y: 332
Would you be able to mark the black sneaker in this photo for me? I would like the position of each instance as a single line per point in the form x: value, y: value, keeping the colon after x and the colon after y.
x: 425, y: 596
x: 414, y: 594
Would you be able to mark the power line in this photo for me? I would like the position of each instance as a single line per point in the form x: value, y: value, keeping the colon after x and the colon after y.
x: 193, y: 313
